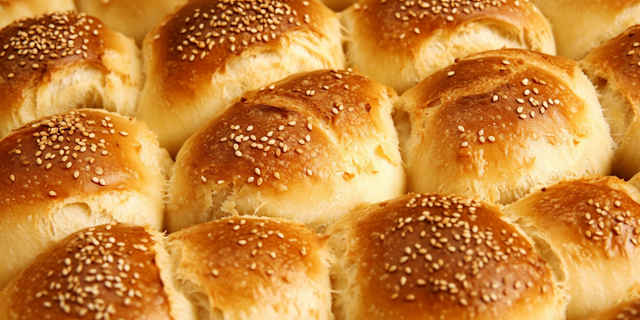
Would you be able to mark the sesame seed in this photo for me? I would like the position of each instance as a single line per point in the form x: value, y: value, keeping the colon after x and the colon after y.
x: 220, y: 182
x: 506, y: 62
x: 203, y: 179
x: 449, y: 18
x: 461, y: 129
x: 123, y: 133
x: 525, y: 82
x: 451, y: 73
x: 215, y: 272
x: 242, y: 242
x: 52, y: 193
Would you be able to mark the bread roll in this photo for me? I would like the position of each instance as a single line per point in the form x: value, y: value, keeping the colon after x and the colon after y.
x: 71, y: 171
x: 613, y: 69
x: 107, y: 272
x: 624, y: 311
x: 308, y: 148
x: 498, y: 123
x: 209, y: 53
x: 11, y: 10
x: 588, y: 229
x: 133, y: 18
x: 438, y: 257
x: 580, y: 26
x: 253, y: 268
x: 71, y: 62
x: 399, y: 43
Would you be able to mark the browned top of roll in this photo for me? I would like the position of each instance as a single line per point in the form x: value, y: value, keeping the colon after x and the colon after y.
x: 400, y: 26
x: 32, y: 47
x: 205, y: 35
x: 287, y: 133
x: 102, y: 272
x: 447, y: 254
x: 499, y: 100
x: 594, y: 213
x: 619, y: 60
x: 72, y: 154
x: 240, y: 259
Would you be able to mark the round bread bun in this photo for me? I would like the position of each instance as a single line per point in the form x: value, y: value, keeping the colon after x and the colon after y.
x: 133, y: 18
x: 588, y: 230
x: 580, y: 26
x: 399, y: 43
x: 308, y: 148
x: 42, y: 74
x: 253, y: 268
x: 11, y: 10
x: 613, y: 69
x: 206, y: 54
x: 101, y: 168
x: 498, y: 123
x: 106, y: 272
x: 437, y: 257
x: 624, y: 311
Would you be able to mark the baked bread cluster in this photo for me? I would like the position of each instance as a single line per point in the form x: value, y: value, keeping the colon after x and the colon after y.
x: 320, y: 159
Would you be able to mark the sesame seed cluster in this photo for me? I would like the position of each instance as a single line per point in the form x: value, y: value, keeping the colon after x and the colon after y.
x: 32, y: 43
x: 265, y: 148
x: 528, y: 97
x: 438, y: 246
x: 413, y: 15
x: 98, y: 274
x: 449, y: 9
x: 265, y: 243
x: 201, y: 28
x: 72, y: 144
x: 601, y: 214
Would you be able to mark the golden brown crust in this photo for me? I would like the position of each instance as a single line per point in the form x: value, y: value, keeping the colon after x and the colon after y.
x: 593, y: 213
x: 101, y: 272
x: 619, y: 61
x: 31, y: 49
x: 206, y: 35
x: 625, y: 311
x: 434, y: 256
x: 287, y: 134
x: 100, y: 155
x: 238, y: 260
x: 401, y: 27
